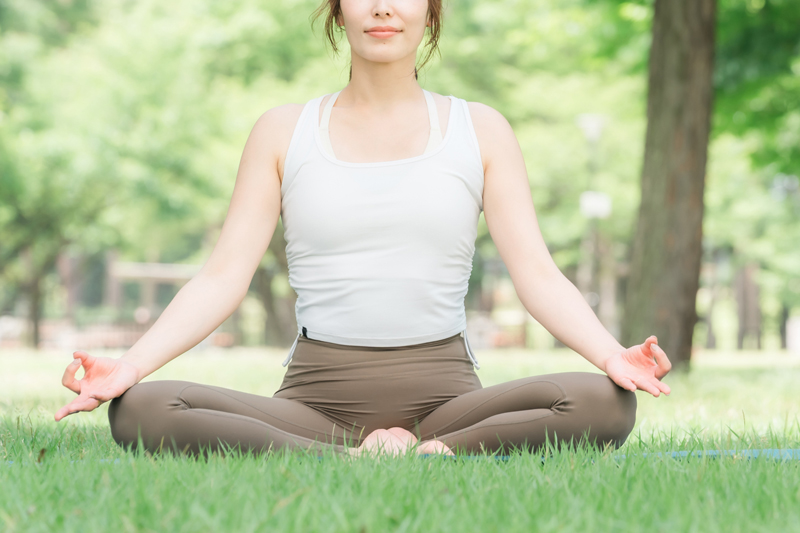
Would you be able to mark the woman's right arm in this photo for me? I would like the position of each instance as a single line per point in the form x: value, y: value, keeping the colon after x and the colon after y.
x: 216, y: 291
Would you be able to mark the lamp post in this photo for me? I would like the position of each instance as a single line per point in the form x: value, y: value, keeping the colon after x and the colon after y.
x: 596, y: 205
x: 593, y: 205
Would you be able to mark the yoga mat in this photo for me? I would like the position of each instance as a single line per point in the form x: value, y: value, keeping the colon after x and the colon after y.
x: 774, y: 453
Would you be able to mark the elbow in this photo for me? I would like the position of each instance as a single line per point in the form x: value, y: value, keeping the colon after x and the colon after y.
x: 538, y: 288
x: 535, y: 276
x: 233, y: 284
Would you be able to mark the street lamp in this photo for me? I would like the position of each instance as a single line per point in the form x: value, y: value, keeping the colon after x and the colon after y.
x: 595, y: 205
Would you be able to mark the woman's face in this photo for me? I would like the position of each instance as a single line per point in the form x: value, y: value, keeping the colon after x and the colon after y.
x: 406, y: 20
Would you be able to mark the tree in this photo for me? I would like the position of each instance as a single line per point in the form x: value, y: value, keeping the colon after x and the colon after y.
x: 42, y: 204
x: 667, y: 246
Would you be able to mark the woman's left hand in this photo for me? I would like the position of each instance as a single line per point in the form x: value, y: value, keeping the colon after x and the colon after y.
x: 635, y: 368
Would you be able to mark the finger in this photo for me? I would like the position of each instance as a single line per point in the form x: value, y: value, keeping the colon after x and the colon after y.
x: 626, y: 383
x: 61, y: 413
x: 68, y: 379
x: 663, y: 387
x: 647, y: 347
x: 664, y: 365
x: 83, y: 356
x: 648, y: 387
x: 82, y: 404
x: 78, y: 404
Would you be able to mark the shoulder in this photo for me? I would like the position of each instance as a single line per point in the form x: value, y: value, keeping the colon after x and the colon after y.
x: 273, y: 131
x: 277, y: 120
x: 488, y: 122
x: 492, y: 129
x: 486, y: 116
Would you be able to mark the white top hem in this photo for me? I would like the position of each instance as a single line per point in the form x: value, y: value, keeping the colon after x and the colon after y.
x: 405, y: 341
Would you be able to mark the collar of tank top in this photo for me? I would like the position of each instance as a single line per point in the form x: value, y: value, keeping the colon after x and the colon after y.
x: 434, y: 140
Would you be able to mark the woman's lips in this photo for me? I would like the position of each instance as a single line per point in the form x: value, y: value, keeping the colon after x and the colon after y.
x: 382, y: 34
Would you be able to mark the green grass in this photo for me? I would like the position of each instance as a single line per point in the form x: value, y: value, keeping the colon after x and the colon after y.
x: 84, y: 482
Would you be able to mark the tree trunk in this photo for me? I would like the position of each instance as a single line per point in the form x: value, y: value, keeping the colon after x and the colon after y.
x: 666, y: 251
x: 748, y: 306
x: 273, y: 329
x: 711, y: 336
x: 281, y: 325
x: 33, y: 288
x: 607, y: 281
x: 784, y: 318
x: 35, y: 309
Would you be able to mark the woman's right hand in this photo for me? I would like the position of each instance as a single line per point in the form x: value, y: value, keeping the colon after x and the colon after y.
x: 104, y: 379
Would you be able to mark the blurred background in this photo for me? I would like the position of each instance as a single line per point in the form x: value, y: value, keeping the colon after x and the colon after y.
x: 122, y: 123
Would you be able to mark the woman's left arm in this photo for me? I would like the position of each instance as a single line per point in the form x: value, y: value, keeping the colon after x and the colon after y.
x: 545, y: 292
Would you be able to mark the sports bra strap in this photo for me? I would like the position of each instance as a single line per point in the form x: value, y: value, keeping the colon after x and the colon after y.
x: 434, y: 139
x: 436, y: 132
x: 326, y: 119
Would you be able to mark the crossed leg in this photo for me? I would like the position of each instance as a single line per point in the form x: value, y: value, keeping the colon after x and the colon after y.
x: 525, y: 413
x: 185, y: 416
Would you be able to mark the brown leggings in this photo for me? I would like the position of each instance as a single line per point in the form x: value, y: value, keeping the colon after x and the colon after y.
x: 334, y: 395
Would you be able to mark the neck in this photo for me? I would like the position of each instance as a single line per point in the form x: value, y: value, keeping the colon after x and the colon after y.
x: 380, y: 86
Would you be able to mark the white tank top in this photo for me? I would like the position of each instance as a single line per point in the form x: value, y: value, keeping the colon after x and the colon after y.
x: 380, y: 253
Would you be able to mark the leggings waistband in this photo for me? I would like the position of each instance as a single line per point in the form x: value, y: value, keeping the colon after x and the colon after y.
x: 349, y: 348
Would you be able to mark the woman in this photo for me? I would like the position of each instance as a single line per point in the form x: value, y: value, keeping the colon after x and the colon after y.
x: 380, y: 187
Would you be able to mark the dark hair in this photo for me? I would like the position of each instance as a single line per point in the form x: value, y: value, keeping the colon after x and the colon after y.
x: 332, y: 9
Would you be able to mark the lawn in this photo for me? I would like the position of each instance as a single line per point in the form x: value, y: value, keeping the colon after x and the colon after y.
x: 71, y: 476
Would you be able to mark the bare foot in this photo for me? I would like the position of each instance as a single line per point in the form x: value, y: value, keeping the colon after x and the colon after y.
x: 434, y: 446
x: 404, y: 435
x: 397, y: 440
x: 390, y: 441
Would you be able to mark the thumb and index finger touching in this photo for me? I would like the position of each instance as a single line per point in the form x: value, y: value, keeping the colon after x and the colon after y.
x: 83, y: 402
x: 651, y: 348
x: 68, y: 379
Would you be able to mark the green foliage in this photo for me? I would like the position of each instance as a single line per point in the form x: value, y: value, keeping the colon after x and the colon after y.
x: 122, y: 122
x: 758, y: 78
x: 247, y: 40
